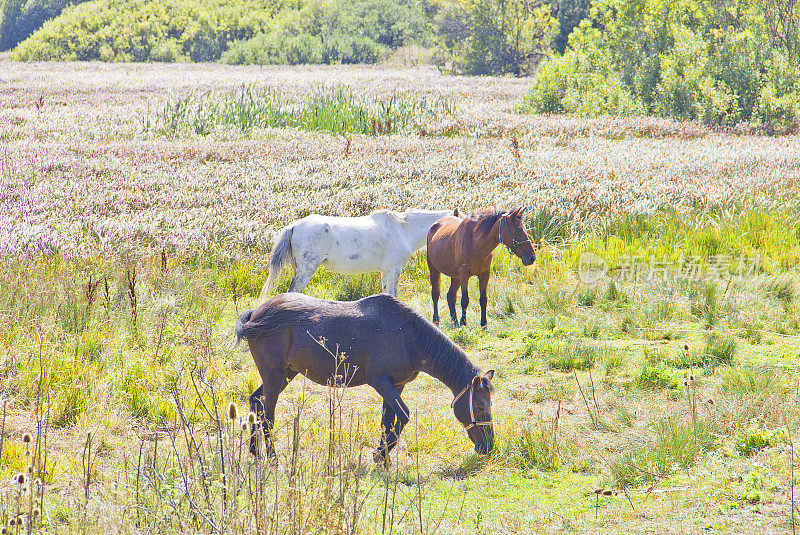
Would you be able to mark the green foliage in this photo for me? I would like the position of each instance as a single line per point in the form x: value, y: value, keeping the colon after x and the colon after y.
x: 534, y: 447
x: 254, y: 31
x: 358, y: 287
x: 134, y: 30
x: 20, y: 18
x: 493, y: 36
x: 657, y: 377
x: 754, y: 440
x: 720, y: 349
x: 335, y: 110
x: 675, y: 446
x: 686, y: 59
x: 569, y: 356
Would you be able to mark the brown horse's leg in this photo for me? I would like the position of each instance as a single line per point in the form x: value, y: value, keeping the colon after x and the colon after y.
x: 263, y: 402
x: 388, y: 437
x: 451, y: 299
x: 385, y: 386
x: 483, y: 283
x: 464, y: 299
x: 436, y: 282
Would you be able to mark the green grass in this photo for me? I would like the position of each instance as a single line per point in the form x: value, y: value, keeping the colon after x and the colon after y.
x: 630, y: 427
x: 336, y: 110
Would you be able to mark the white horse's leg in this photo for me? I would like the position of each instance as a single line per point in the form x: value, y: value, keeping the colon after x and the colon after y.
x: 300, y: 278
x: 390, y: 279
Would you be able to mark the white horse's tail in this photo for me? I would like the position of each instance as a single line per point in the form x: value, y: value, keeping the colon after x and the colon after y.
x: 281, y: 252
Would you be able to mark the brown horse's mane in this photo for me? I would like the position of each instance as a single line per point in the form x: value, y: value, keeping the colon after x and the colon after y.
x: 486, y: 220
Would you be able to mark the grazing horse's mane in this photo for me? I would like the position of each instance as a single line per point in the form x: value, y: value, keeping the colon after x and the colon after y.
x: 487, y: 219
x: 451, y: 361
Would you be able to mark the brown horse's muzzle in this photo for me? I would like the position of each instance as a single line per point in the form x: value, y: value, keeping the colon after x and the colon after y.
x: 528, y: 260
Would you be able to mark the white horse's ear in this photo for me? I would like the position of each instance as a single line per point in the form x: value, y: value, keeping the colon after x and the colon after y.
x: 455, y: 212
x: 488, y: 375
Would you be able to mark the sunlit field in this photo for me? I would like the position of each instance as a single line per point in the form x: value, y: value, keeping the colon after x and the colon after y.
x: 646, y: 364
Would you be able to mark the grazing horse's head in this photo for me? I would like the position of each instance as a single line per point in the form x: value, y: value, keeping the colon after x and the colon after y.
x: 473, y: 408
x: 512, y: 234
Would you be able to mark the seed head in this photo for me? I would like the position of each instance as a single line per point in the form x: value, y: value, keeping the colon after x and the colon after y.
x: 608, y: 492
x: 691, y: 378
x: 35, y: 512
x: 4, y: 531
x: 686, y: 347
x: 710, y: 401
x: 251, y: 418
x: 598, y: 491
x: 232, y: 411
x: 244, y: 425
x: 30, y: 468
x: 21, y: 478
x: 26, y: 438
x: 12, y: 522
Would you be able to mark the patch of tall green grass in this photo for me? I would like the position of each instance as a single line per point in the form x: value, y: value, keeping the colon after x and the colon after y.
x: 337, y: 110
x: 675, y: 445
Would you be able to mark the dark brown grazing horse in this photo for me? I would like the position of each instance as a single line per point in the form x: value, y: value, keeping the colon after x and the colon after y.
x: 461, y: 248
x: 381, y: 342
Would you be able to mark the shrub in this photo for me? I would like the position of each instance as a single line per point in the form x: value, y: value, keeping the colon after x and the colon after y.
x: 20, y: 18
x: 657, y: 377
x: 534, y: 447
x: 719, y: 350
x: 648, y: 57
x: 134, y: 30
x: 675, y: 445
x: 754, y: 440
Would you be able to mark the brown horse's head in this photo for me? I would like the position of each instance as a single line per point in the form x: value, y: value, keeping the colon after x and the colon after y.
x: 473, y: 408
x: 512, y: 234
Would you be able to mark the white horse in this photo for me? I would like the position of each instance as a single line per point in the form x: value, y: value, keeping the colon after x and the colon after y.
x: 381, y: 241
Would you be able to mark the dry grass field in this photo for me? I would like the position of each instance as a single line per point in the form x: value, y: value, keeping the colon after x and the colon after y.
x: 128, y: 245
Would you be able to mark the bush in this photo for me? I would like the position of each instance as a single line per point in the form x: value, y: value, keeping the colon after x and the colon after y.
x: 720, y: 350
x: 136, y: 30
x: 20, y: 18
x: 657, y: 377
x: 676, y: 445
x: 275, y: 49
x: 664, y: 59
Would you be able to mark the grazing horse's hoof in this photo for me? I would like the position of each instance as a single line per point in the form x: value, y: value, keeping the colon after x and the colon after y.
x: 436, y: 320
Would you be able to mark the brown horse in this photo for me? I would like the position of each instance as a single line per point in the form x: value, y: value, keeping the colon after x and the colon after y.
x: 461, y: 248
x: 381, y: 342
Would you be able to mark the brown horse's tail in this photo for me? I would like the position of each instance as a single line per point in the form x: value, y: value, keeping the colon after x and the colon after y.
x: 241, y: 325
x: 281, y: 252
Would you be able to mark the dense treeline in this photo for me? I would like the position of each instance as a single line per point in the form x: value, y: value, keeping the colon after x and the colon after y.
x: 724, y: 62
x: 718, y: 62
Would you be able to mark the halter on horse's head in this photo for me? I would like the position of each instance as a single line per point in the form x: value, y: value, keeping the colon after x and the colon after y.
x: 484, y: 442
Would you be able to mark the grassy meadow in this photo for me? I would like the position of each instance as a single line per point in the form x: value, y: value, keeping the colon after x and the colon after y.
x: 138, y: 208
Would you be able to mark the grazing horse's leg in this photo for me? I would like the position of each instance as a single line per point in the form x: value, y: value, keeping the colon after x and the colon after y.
x: 483, y: 283
x: 436, y: 282
x: 388, y: 437
x: 263, y: 402
x: 384, y: 385
x: 464, y: 298
x: 451, y: 299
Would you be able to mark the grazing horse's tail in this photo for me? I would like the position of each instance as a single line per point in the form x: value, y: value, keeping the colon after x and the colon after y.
x: 281, y: 252
x: 239, y: 331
